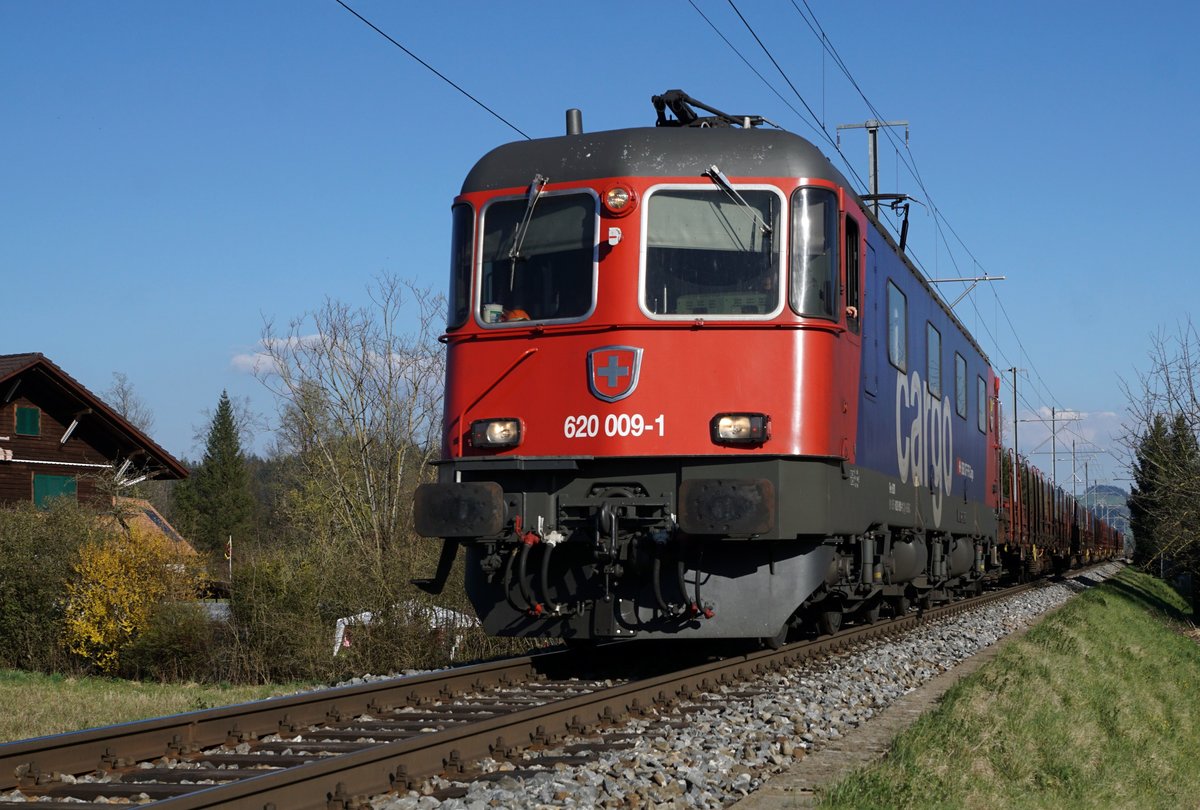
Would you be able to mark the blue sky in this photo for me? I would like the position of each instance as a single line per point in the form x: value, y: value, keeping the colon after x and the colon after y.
x: 175, y: 173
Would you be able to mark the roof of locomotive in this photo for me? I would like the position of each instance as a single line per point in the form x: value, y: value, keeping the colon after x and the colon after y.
x: 674, y: 152
x: 652, y: 152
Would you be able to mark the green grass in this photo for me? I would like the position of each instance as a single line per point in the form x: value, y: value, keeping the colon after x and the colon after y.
x: 1097, y: 706
x: 33, y: 705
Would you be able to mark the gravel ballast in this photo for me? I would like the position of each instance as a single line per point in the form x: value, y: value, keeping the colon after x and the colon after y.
x: 731, y: 740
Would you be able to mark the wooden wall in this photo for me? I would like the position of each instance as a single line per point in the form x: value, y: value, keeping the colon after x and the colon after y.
x: 88, y: 443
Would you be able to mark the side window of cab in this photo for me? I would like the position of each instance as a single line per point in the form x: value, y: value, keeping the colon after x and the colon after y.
x: 853, y: 292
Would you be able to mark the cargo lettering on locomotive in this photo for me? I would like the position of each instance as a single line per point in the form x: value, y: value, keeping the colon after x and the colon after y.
x: 926, y: 441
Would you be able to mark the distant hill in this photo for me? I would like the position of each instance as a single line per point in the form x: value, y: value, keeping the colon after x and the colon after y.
x: 1110, y: 503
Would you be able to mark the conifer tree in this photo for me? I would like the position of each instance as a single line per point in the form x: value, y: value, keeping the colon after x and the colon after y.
x: 1145, y: 497
x: 1181, y: 504
x: 216, y: 499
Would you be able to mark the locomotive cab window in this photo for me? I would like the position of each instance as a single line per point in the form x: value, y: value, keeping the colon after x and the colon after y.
x: 708, y: 253
x: 538, y: 259
x: 933, y: 366
x: 461, y: 233
x: 897, y: 306
x: 814, y: 253
x: 852, y: 295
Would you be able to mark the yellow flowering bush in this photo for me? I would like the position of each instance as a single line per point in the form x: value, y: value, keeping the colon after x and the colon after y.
x: 119, y: 580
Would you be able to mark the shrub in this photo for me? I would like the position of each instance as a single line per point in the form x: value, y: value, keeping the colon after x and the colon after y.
x: 399, y: 637
x: 37, y: 549
x: 120, y: 578
x: 280, y: 631
x: 176, y: 644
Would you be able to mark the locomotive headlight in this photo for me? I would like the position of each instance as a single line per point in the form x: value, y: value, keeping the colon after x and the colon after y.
x: 619, y: 200
x: 495, y: 432
x: 740, y: 428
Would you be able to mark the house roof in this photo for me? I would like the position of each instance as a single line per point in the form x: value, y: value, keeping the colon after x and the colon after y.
x: 128, y: 438
x: 143, y: 514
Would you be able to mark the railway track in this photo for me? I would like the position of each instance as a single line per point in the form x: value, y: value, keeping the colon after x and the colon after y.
x: 332, y: 748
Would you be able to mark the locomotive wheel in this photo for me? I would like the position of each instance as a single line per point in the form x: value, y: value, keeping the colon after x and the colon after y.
x: 829, y: 621
x: 869, y: 614
x: 776, y: 641
x: 900, y: 605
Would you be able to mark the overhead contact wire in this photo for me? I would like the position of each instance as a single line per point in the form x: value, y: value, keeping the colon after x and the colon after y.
x: 908, y: 158
x: 753, y: 69
x: 436, y: 72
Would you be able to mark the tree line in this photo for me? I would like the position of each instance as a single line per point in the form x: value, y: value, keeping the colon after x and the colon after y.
x: 1164, y: 502
x: 321, y: 525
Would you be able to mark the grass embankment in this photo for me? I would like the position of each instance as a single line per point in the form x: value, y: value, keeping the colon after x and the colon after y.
x: 1097, y: 706
x: 33, y: 705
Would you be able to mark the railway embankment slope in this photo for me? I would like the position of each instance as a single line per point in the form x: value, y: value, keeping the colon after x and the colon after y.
x: 1094, y: 706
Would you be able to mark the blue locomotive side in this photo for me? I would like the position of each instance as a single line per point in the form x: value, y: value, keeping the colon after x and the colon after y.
x: 925, y: 411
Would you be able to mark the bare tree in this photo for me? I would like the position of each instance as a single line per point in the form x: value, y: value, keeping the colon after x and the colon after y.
x: 125, y: 401
x: 1162, y: 437
x: 360, y: 392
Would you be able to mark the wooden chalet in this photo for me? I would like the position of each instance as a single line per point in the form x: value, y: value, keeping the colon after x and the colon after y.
x: 58, y: 439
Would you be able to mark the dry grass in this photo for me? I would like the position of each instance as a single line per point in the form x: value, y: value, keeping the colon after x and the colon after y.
x: 34, y: 705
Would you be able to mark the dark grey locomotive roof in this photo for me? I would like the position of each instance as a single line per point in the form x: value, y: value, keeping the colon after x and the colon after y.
x: 673, y: 152
x: 652, y: 152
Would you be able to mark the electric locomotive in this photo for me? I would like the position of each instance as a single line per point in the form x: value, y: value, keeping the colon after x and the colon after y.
x: 695, y: 389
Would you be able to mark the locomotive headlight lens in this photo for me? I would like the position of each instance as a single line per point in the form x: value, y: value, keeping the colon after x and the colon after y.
x: 619, y: 200
x: 496, y: 433
x: 740, y: 428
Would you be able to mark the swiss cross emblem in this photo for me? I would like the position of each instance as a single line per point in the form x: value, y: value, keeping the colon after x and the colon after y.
x: 613, y: 371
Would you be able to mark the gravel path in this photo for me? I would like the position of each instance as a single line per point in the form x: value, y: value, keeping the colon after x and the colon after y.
x: 718, y: 748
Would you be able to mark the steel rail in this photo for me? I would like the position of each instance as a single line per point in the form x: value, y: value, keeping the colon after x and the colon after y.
x: 83, y: 751
x: 342, y: 782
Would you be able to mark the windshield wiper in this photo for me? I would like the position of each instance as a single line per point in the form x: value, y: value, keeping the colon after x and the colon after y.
x: 535, y: 192
x: 722, y: 182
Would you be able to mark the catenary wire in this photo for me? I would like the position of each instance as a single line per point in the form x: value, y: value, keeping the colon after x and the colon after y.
x: 436, y: 72
x: 819, y: 125
x: 940, y: 220
x: 753, y: 69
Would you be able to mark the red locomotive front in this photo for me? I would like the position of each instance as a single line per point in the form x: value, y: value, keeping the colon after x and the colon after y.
x: 680, y: 400
x: 664, y: 336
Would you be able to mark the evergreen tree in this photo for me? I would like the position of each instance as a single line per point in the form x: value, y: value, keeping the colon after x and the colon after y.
x: 216, y: 502
x: 1181, y: 504
x: 1145, y: 496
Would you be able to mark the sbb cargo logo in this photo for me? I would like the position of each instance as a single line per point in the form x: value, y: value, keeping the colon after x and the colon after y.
x: 924, y: 439
x: 613, y: 371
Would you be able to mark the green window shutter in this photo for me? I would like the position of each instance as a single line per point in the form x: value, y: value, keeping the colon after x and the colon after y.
x: 29, y: 422
x: 46, y: 487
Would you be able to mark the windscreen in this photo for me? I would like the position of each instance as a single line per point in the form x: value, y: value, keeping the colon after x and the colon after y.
x: 708, y: 253
x: 462, y: 231
x: 541, y: 270
x: 814, y: 253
